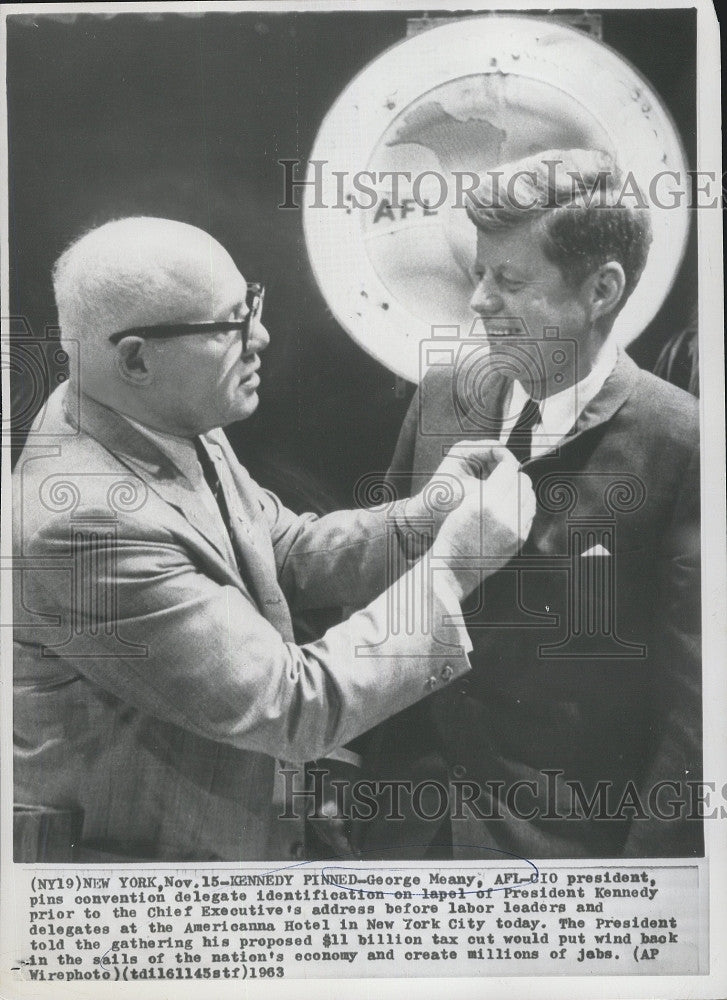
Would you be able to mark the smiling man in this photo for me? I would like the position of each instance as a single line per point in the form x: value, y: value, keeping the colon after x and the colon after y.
x: 156, y: 675
x: 578, y: 733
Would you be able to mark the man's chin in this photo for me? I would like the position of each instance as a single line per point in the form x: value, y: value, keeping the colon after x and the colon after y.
x: 247, y: 405
x: 240, y: 408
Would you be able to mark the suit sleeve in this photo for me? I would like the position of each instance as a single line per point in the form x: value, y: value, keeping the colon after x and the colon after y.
x: 348, y: 557
x: 209, y: 662
x: 676, y: 755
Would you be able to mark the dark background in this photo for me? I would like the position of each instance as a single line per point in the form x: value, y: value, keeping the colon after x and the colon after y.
x: 186, y: 116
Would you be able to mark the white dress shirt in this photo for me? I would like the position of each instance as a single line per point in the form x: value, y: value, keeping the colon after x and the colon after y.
x: 558, y: 412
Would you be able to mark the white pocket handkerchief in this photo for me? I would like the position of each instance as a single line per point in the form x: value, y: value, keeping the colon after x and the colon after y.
x: 596, y: 550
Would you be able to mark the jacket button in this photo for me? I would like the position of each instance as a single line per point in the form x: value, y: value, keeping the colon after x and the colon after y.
x: 464, y: 687
x: 297, y: 850
x: 459, y: 771
x: 447, y: 673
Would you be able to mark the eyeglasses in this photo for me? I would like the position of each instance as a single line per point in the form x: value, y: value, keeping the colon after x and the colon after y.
x: 253, y: 300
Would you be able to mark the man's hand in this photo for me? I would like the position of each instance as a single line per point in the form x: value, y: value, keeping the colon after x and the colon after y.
x: 457, y: 477
x: 489, y: 525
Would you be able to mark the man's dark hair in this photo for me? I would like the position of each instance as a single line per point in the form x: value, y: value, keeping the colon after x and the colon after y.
x: 576, y: 198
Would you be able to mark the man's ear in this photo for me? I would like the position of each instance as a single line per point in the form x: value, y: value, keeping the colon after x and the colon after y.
x: 132, y: 361
x: 607, y: 288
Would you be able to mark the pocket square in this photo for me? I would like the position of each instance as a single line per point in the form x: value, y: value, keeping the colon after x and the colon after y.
x: 595, y: 550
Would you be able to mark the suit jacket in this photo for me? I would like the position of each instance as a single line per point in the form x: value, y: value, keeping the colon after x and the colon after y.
x: 586, y: 660
x: 156, y: 677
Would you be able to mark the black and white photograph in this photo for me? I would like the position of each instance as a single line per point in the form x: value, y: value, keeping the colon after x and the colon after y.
x: 363, y: 529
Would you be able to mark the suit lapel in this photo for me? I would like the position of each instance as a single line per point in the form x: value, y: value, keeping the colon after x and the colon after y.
x: 450, y: 408
x: 608, y: 400
x: 613, y: 394
x: 250, y: 543
x: 250, y: 535
x: 142, y: 457
x: 249, y: 550
x: 477, y: 411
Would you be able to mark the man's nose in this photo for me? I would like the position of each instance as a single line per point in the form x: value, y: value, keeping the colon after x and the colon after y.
x: 258, y: 339
x: 486, y: 299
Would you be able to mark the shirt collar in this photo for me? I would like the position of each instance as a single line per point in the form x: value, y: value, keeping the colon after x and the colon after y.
x: 559, y: 412
x: 180, y: 450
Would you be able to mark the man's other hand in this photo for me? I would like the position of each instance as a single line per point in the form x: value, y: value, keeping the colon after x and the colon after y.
x: 491, y: 522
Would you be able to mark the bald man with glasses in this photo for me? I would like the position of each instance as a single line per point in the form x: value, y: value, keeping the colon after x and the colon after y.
x: 157, y: 681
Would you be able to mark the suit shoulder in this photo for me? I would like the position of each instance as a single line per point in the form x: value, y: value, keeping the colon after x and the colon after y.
x: 671, y: 410
x: 437, y: 379
x: 80, y: 482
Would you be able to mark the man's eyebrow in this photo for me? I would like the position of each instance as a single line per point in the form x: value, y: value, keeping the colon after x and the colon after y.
x: 499, y: 269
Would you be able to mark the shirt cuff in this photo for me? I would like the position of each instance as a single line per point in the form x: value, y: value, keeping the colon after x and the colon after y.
x: 452, y: 610
x: 345, y: 757
x: 415, y: 534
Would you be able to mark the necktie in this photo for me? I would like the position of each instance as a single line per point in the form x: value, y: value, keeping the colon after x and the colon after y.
x: 213, y: 481
x: 520, y: 441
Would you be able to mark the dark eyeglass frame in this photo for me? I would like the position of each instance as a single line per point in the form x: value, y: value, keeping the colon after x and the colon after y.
x: 253, y: 300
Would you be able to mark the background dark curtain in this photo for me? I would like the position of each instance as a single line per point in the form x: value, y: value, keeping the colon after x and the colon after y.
x: 186, y: 116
